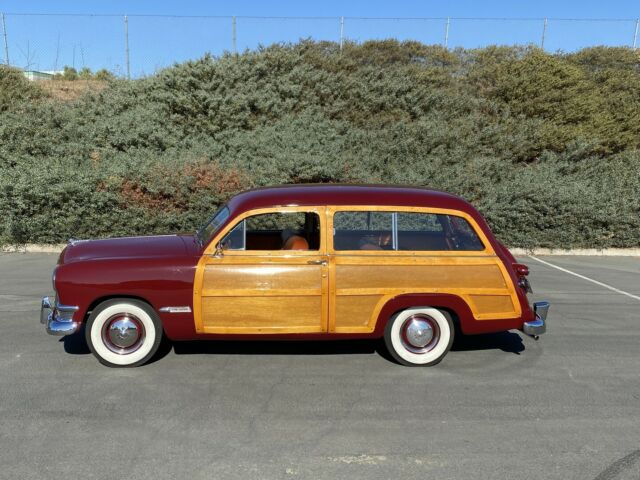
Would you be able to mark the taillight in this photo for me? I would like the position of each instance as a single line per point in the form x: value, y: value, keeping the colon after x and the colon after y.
x: 521, y: 269
x: 521, y: 272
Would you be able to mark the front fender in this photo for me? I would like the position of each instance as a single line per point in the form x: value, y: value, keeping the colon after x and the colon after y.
x: 160, y: 282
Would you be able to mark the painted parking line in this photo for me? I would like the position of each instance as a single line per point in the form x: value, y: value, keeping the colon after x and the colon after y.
x: 617, y: 290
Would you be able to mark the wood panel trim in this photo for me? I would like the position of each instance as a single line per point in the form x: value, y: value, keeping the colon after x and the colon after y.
x: 402, y: 291
x: 342, y: 257
x: 258, y: 330
x: 197, y: 294
x: 248, y: 292
x: 383, y: 257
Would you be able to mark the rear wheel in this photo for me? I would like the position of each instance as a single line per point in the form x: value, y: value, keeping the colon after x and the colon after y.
x: 419, y: 336
x: 123, y: 332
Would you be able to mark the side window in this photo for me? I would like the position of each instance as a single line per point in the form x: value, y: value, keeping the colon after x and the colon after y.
x: 363, y: 231
x: 404, y: 231
x: 421, y: 231
x: 462, y: 235
x: 430, y: 231
x: 275, y: 231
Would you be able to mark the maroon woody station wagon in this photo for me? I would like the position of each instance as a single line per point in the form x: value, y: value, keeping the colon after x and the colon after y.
x: 299, y: 262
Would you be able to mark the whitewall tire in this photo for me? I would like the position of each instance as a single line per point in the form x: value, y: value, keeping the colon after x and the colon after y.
x: 419, y: 336
x: 123, y: 332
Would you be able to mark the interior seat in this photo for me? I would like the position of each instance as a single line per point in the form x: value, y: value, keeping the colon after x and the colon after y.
x: 296, y: 242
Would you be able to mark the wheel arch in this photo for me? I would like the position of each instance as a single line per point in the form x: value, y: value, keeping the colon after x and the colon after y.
x: 92, y: 306
x: 451, y: 305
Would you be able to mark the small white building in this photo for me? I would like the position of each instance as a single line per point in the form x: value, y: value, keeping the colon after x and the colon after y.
x: 36, y: 76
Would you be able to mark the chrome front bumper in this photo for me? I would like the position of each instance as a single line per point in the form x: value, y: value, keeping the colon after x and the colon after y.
x: 58, y: 318
x: 539, y: 325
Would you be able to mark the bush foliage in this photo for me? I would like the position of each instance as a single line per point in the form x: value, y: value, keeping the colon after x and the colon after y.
x: 545, y: 145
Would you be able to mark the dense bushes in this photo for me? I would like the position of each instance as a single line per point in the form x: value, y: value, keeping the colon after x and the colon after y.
x: 15, y: 89
x: 547, y: 146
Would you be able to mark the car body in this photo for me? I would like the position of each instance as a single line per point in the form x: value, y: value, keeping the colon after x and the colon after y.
x: 301, y: 262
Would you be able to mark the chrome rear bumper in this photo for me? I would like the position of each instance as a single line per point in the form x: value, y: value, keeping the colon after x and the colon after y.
x: 59, y: 318
x: 539, y: 325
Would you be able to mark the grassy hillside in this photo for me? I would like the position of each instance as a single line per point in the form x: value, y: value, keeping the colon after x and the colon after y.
x: 547, y: 146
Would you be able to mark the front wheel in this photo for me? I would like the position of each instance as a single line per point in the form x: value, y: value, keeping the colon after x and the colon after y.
x: 123, y: 332
x: 419, y: 336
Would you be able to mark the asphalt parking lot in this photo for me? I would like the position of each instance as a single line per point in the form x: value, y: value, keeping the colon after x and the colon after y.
x: 498, y: 406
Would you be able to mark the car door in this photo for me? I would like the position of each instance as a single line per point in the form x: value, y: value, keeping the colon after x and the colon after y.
x: 268, y: 275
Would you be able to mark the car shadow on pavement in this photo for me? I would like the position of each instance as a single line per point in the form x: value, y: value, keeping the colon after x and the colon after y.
x: 76, y: 344
x: 506, y: 341
x: 276, y: 347
x: 509, y: 342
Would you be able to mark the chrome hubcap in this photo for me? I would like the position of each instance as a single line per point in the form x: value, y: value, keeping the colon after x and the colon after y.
x: 419, y: 333
x: 123, y: 333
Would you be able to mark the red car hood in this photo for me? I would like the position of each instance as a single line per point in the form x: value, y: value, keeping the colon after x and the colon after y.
x: 129, y: 247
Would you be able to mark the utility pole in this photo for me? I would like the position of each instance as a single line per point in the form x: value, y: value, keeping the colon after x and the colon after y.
x: 544, y: 34
x: 635, y: 35
x: 126, y: 46
x: 234, y: 36
x: 341, y: 33
x: 6, y: 44
x: 446, y: 33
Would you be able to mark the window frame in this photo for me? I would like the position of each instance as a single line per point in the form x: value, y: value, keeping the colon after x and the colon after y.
x: 235, y: 220
x: 488, y: 249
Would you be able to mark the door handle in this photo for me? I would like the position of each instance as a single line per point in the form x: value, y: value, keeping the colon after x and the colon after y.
x: 324, y: 263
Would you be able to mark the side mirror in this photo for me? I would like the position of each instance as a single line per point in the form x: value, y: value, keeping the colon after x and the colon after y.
x: 218, y: 252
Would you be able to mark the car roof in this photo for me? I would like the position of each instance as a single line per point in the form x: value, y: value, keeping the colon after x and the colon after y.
x: 341, y: 194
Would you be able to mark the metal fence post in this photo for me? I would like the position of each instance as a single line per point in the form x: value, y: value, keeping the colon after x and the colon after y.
x: 234, y: 38
x: 544, y: 34
x: 635, y: 34
x: 6, y: 44
x: 446, y: 33
x: 341, y: 32
x: 126, y: 46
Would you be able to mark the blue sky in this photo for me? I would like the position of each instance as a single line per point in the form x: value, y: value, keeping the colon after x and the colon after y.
x: 48, y: 42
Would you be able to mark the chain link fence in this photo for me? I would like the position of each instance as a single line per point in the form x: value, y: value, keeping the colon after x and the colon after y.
x: 139, y: 45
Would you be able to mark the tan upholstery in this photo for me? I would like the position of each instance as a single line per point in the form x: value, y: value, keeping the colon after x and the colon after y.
x: 296, y: 242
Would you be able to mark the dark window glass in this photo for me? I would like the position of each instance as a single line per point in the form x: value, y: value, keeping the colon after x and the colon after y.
x: 461, y: 233
x: 362, y: 231
x: 275, y: 231
x: 430, y: 231
x: 207, y: 231
x: 413, y: 232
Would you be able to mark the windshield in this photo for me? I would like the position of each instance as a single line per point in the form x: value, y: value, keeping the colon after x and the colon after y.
x: 207, y: 231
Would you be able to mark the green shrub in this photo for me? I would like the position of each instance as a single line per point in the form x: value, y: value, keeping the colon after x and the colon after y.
x: 15, y: 89
x: 545, y: 145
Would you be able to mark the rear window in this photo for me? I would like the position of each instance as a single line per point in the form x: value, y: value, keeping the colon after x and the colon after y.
x: 403, y: 231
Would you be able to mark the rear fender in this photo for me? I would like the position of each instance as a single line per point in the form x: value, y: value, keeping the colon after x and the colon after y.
x: 454, y: 305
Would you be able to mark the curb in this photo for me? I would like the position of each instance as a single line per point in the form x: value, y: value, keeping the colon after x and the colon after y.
x: 33, y: 248
x: 593, y: 252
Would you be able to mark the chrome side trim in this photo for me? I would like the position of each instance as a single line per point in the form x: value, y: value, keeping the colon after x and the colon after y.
x: 185, y: 309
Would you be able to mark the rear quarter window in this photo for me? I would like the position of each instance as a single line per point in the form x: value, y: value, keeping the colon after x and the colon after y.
x: 433, y: 232
x: 403, y: 231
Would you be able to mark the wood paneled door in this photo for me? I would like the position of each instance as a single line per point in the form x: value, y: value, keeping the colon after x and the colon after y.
x: 260, y: 285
